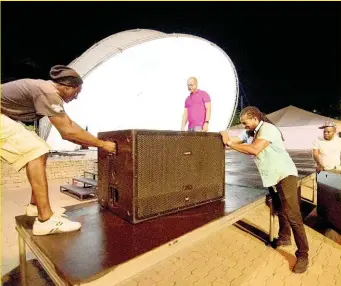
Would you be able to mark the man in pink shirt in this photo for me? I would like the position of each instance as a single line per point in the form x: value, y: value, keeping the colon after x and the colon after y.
x: 197, y: 108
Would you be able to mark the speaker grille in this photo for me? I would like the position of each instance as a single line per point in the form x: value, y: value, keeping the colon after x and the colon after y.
x: 173, y: 174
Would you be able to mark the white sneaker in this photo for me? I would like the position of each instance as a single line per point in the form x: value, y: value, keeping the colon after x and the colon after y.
x: 58, y: 223
x: 32, y: 210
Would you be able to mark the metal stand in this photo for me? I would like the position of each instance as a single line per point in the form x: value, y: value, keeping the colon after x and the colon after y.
x: 22, y: 259
x: 270, y: 241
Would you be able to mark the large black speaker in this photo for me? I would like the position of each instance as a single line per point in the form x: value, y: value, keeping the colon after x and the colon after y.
x: 154, y: 173
x: 329, y: 197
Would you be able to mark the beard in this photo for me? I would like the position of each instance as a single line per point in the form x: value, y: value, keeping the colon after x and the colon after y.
x: 250, y: 133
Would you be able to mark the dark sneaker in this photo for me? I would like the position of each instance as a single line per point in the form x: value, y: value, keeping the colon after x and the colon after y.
x: 301, y: 265
x: 282, y: 242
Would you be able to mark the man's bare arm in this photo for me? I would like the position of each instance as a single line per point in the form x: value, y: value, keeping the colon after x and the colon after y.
x: 184, y: 119
x: 226, y: 138
x: 71, y: 131
x: 251, y: 149
x: 316, y: 155
x: 207, y: 115
x: 208, y: 107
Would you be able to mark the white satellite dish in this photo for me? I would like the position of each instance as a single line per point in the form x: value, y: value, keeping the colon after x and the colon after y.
x: 137, y: 79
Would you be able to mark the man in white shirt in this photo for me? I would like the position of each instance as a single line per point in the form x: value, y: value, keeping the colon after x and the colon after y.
x: 327, y: 149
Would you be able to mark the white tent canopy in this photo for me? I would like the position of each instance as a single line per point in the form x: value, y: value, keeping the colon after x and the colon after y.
x: 137, y: 80
x: 298, y: 126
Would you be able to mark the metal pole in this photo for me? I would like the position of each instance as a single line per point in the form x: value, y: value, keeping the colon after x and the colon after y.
x: 241, y: 102
x: 272, y: 221
x: 22, y: 259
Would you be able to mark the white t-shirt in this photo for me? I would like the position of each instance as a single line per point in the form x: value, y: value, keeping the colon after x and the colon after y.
x: 330, y: 151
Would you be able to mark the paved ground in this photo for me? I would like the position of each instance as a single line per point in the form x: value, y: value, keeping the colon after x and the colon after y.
x: 233, y: 257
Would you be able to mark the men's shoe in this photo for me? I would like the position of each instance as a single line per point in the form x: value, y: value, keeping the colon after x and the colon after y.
x: 282, y: 242
x: 301, y: 265
x: 58, y: 223
x: 32, y: 210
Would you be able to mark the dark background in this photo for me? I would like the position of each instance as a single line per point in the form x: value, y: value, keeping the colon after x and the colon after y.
x: 285, y: 53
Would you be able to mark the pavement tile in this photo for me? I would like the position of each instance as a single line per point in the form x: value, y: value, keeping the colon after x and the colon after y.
x: 183, y: 273
x: 203, y: 271
x: 327, y: 278
x: 182, y: 283
x: 310, y: 279
x: 275, y: 280
x: 198, y: 263
x: 219, y: 271
x: 165, y: 283
x: 210, y: 278
x: 149, y: 273
x: 228, y: 263
x: 241, y: 280
x: 165, y: 273
x: 231, y: 274
x: 147, y: 282
x: 201, y: 282
x: 195, y: 255
x: 129, y: 283
x: 181, y: 263
x: 156, y: 277
x: 214, y: 262
x: 337, y: 279
x: 219, y: 282
x: 259, y: 280
x: 191, y: 279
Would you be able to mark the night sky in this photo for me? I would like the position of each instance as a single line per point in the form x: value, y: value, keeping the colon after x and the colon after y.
x: 285, y: 53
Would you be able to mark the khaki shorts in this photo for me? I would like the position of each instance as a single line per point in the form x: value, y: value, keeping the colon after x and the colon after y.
x: 19, y: 145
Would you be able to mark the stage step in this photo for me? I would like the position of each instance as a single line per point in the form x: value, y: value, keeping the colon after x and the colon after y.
x: 85, y: 181
x: 79, y: 193
x: 92, y: 174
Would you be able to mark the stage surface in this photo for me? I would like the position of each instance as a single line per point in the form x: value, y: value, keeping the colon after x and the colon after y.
x: 106, y: 241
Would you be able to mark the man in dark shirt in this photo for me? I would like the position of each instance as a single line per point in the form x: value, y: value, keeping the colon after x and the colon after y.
x: 27, y: 100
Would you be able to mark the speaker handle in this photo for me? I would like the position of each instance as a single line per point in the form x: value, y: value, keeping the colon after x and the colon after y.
x: 116, y: 148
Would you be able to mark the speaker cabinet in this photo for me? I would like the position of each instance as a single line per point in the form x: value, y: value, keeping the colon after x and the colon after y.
x: 155, y: 173
x: 329, y: 197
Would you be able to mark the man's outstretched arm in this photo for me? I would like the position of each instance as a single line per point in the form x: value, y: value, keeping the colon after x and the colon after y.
x: 250, y: 149
x: 71, y: 131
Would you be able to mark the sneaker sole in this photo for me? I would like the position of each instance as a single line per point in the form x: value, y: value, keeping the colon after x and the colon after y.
x: 50, y: 233
x: 299, y: 272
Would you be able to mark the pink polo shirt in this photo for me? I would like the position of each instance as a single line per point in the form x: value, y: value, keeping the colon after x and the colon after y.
x: 195, y: 104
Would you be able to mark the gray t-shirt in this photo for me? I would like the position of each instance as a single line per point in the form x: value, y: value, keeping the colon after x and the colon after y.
x: 30, y: 99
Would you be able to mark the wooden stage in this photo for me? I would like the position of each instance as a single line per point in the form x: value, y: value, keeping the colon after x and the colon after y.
x: 106, y: 243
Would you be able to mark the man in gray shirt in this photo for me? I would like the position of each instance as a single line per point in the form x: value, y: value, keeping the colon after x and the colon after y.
x: 27, y: 100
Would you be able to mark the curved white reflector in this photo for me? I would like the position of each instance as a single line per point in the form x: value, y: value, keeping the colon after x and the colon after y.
x: 142, y: 84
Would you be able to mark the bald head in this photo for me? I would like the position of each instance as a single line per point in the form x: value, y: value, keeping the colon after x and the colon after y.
x: 192, y: 84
